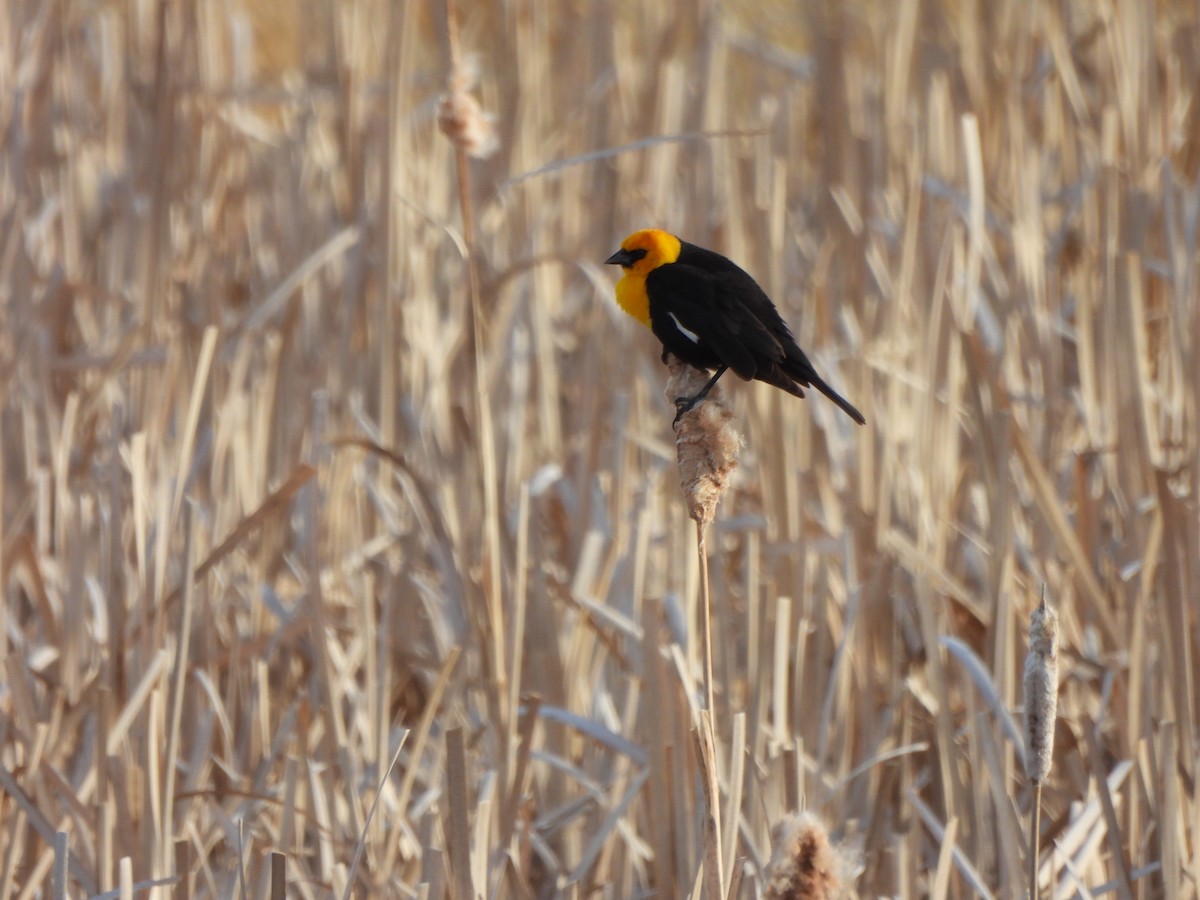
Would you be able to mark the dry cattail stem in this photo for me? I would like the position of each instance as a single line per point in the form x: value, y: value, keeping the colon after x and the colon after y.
x: 706, y: 441
x: 471, y: 133
x: 707, y: 445
x: 1041, y: 691
x: 804, y: 864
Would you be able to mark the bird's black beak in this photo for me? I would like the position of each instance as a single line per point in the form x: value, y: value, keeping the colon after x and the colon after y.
x: 620, y: 258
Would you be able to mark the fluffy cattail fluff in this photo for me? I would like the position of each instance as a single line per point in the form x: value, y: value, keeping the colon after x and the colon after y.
x: 1041, y: 692
x: 460, y: 117
x: 804, y: 864
x: 706, y: 441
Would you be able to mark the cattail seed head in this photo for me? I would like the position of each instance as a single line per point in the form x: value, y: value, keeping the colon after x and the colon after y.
x: 804, y: 864
x: 460, y: 117
x: 1041, y: 692
x: 706, y: 441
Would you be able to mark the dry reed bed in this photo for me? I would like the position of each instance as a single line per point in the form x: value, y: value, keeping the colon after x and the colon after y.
x: 236, y: 340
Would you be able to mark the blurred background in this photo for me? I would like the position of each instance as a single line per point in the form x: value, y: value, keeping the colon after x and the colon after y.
x: 308, y: 549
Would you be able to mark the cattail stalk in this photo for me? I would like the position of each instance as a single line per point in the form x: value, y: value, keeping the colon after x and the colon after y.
x: 472, y: 133
x: 1041, y: 701
x: 707, y: 445
x: 706, y: 603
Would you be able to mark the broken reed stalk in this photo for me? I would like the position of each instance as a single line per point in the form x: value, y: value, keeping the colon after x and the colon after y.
x: 457, y: 822
x: 278, y: 889
x: 62, y: 855
x: 1041, y: 701
x: 707, y: 445
x: 714, y: 872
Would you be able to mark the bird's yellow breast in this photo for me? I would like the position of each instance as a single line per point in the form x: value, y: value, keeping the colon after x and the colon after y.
x: 632, y: 297
x: 658, y: 248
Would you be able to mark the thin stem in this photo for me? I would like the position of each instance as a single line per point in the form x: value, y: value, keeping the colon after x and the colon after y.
x: 1035, y: 835
x: 706, y: 613
x: 494, y: 607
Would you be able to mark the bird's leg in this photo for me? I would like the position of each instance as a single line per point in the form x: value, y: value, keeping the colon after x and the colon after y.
x: 683, y: 404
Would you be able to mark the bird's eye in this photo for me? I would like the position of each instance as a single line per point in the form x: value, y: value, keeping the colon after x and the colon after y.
x: 635, y: 255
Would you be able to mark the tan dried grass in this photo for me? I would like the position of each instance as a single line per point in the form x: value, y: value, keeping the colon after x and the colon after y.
x: 235, y: 257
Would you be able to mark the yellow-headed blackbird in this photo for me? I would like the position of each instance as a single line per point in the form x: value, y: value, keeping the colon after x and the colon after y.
x: 712, y: 315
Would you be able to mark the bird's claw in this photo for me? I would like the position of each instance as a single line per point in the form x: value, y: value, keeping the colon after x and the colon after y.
x: 682, y: 405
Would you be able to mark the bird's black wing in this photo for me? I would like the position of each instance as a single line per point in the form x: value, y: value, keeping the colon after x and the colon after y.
x: 793, y: 364
x: 750, y: 325
x: 708, y: 318
x: 738, y: 282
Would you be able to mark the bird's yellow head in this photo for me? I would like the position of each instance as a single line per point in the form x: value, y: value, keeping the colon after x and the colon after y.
x: 644, y: 251
x: 640, y: 254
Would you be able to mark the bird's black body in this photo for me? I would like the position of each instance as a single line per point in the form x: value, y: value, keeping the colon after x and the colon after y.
x: 711, y: 314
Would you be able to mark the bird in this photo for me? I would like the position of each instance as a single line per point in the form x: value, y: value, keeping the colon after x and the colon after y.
x: 707, y: 311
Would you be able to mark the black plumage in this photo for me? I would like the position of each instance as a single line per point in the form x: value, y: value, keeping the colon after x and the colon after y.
x: 710, y: 313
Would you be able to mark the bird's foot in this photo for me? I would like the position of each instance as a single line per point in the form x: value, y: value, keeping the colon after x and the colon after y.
x: 684, y: 404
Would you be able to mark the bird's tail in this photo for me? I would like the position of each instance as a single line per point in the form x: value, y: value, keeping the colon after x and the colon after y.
x: 845, y: 405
